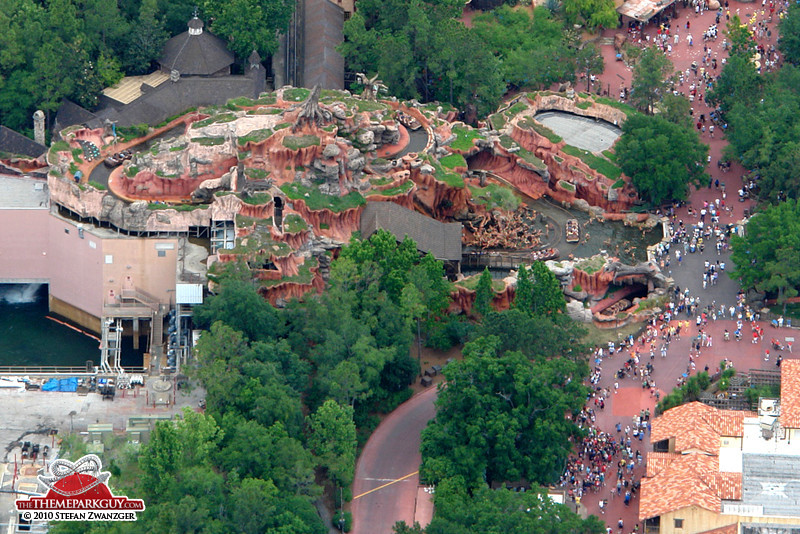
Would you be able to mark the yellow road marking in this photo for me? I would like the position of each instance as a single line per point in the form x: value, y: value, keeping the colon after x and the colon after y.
x: 387, y: 484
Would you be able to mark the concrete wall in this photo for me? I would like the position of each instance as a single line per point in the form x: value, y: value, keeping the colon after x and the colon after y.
x: 23, y: 246
x: 135, y: 263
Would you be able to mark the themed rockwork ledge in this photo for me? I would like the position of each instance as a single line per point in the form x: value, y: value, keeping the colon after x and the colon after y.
x: 293, y: 170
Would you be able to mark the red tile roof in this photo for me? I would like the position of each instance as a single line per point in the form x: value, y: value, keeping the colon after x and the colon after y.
x: 696, y: 426
x: 730, y: 529
x: 790, y: 393
x: 688, y: 480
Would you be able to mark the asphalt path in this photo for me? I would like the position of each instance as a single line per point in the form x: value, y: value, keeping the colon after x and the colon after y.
x: 386, y: 481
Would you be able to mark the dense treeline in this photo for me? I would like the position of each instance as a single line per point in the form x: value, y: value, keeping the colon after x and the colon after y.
x: 288, y: 395
x: 421, y: 50
x: 503, y: 419
x: 762, y: 111
x: 57, y: 49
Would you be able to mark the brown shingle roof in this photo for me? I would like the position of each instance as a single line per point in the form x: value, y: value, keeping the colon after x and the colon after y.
x: 323, y: 27
x: 16, y: 143
x: 196, y: 55
x: 790, y: 393
x: 696, y: 426
x: 688, y: 480
x: 442, y: 240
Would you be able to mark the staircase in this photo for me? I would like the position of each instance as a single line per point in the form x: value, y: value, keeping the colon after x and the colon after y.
x: 110, y: 346
x: 135, y: 304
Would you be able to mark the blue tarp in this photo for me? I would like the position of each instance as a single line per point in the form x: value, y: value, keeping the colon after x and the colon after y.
x: 63, y: 384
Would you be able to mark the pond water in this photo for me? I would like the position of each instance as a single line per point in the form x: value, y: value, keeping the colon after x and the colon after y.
x: 627, y: 243
x: 418, y: 140
x: 101, y: 173
x: 28, y: 337
x: 590, y: 134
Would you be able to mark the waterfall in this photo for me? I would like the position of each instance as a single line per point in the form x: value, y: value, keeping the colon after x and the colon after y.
x: 19, y: 293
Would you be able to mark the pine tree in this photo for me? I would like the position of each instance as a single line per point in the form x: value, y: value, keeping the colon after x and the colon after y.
x: 484, y: 294
x: 523, y: 300
x: 547, y: 295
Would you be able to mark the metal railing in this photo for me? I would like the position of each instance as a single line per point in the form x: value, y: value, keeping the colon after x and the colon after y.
x: 58, y: 370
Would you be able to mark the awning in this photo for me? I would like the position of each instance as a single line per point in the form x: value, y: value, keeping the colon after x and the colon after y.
x: 643, y: 10
x: 188, y: 293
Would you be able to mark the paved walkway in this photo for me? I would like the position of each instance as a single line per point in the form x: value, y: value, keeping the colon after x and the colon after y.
x: 631, y: 398
x: 386, y: 482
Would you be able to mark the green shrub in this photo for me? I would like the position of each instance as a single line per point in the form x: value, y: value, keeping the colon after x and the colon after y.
x: 293, y: 223
x: 583, y: 105
x: 132, y: 171
x: 515, y: 109
x: 541, y: 129
x: 495, y: 196
x: 97, y: 185
x: 296, y: 94
x: 257, y: 199
x: 255, y: 136
x: 566, y: 185
x: 452, y: 161
x: 60, y: 146
x: 343, y: 521
x: 404, y: 187
x: 255, y: 174
x: 464, y: 138
x: 73, y: 168
x: 77, y: 152
x: 601, y: 165
x: 753, y: 393
x: 296, y: 142
x: 577, y: 288
x: 316, y: 200
x: 133, y: 132
x: 208, y: 141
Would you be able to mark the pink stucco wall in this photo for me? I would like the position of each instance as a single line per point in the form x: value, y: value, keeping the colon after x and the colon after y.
x: 24, y: 244
x: 75, y: 266
x: 37, y: 246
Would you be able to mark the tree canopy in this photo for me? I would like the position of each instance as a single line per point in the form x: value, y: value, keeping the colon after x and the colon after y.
x: 502, y: 417
x: 75, y: 48
x: 651, y: 79
x: 593, y: 13
x: 768, y: 256
x: 789, y: 42
x: 501, y: 511
x: 662, y: 158
x: 420, y: 50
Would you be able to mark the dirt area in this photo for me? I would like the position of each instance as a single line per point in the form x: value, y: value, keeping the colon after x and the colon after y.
x: 432, y: 357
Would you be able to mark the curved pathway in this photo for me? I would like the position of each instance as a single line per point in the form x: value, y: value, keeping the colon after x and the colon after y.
x: 386, y: 482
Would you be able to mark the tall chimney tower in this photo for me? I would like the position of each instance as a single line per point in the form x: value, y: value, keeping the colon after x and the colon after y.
x: 38, y: 126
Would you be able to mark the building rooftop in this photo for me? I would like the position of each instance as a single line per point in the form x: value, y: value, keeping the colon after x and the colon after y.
x: 323, y: 65
x: 23, y: 193
x: 729, y: 529
x: 643, y: 10
x: 15, y: 143
x: 129, y: 88
x: 696, y: 426
x: 443, y: 240
x: 196, y: 52
x: 692, y: 479
x: 790, y: 394
x: 772, y: 482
